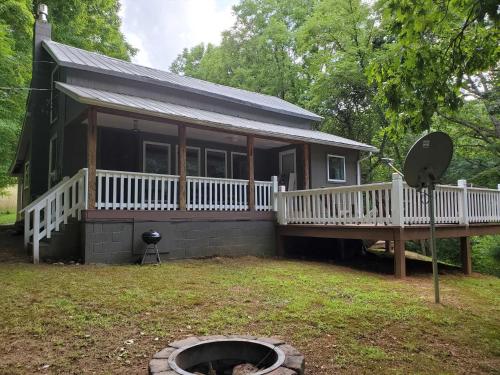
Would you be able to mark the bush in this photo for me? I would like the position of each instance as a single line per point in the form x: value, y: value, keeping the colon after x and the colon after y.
x: 486, y: 254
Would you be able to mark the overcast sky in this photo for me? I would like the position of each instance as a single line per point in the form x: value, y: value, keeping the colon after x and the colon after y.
x: 160, y: 29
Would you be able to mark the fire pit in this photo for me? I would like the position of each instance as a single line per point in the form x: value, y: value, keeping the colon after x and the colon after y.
x: 227, y: 355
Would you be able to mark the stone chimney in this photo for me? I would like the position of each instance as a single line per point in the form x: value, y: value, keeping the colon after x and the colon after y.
x: 41, y: 31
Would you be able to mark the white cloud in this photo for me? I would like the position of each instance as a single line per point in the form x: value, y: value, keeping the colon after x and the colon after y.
x: 160, y: 29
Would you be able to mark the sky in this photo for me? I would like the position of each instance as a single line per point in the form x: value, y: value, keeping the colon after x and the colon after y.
x: 161, y: 29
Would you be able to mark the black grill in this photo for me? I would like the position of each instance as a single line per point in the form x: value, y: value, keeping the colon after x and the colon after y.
x: 151, y: 237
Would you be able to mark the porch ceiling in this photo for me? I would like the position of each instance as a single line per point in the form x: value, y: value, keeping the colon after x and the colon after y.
x: 211, y: 120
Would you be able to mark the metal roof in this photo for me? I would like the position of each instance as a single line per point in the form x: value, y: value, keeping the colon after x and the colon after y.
x: 209, y: 119
x: 78, y: 58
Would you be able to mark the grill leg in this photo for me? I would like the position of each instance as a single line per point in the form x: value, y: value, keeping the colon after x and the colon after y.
x: 157, y: 254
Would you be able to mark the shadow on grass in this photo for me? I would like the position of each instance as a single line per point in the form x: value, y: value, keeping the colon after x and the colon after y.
x: 353, y: 256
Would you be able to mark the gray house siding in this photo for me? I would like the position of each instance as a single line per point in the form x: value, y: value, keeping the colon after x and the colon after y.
x: 122, y: 150
x: 319, y: 165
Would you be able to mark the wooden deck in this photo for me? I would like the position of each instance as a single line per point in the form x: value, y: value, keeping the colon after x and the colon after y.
x: 396, y: 234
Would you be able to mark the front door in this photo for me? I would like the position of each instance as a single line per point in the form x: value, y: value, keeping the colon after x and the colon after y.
x: 288, y: 169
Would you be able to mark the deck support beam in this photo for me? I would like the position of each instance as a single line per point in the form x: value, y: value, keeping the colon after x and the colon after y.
x: 399, y: 258
x: 91, y: 156
x: 182, y: 167
x: 466, y: 255
x: 251, y: 172
x: 306, y: 164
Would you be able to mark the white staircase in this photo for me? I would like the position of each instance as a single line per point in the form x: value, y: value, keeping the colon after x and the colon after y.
x: 46, y: 214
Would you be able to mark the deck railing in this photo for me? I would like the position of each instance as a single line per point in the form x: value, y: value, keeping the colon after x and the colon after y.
x: 45, y: 214
x: 147, y: 191
x: 219, y: 194
x: 393, y: 203
x: 136, y: 191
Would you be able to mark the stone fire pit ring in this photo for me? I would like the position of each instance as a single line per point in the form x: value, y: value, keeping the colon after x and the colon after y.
x: 278, y: 358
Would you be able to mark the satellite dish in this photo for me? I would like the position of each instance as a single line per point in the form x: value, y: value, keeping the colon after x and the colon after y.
x: 425, y: 163
x: 428, y: 159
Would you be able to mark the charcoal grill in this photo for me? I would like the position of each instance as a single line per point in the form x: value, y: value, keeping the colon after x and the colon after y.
x: 151, y: 239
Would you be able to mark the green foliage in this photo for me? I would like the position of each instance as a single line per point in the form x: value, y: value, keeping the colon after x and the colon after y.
x: 486, y: 255
x: 93, y: 25
x: 90, y: 24
x: 430, y: 49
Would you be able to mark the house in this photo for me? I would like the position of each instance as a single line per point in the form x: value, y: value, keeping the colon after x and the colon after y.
x: 110, y: 149
x: 190, y: 158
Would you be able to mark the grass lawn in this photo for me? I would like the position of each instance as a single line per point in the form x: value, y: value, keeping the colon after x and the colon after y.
x: 78, y: 319
x: 7, y: 218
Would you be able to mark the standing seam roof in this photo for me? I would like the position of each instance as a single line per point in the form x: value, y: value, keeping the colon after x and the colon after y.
x: 75, y: 57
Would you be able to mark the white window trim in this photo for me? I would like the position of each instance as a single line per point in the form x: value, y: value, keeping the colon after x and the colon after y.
x: 144, y: 143
x: 287, y: 152
x: 53, y: 87
x: 51, y: 172
x: 328, y: 156
x: 198, y: 149
x: 207, y: 150
x: 232, y: 154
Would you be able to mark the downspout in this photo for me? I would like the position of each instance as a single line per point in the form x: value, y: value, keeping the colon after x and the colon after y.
x: 358, y: 168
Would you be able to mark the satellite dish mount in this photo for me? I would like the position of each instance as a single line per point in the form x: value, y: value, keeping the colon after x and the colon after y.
x: 426, y: 162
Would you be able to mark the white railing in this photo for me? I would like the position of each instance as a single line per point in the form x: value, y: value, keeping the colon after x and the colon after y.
x: 136, y: 191
x: 45, y: 214
x: 358, y: 204
x: 219, y: 194
x: 264, y: 200
x: 483, y: 205
x: 393, y: 203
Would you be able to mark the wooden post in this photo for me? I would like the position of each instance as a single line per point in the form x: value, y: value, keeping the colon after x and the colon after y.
x: 463, y: 202
x: 466, y: 255
x: 399, y: 257
x: 387, y: 246
x: 280, y: 245
x: 306, y: 164
x: 251, y: 174
x: 91, y: 158
x: 397, y: 213
x: 182, y: 167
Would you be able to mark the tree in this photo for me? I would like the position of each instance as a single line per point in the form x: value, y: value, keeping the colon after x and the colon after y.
x: 432, y: 49
x: 258, y: 53
x: 90, y: 24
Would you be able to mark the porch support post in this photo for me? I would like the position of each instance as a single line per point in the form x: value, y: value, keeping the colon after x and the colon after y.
x: 91, y: 157
x: 399, y: 255
x: 251, y: 173
x: 306, y: 164
x: 466, y: 255
x: 182, y: 167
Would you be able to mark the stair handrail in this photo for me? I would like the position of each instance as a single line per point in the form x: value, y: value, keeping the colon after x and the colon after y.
x: 62, y: 201
x: 44, y: 195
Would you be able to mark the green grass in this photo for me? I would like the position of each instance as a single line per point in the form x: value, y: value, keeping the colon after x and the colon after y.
x: 78, y: 318
x: 7, y: 217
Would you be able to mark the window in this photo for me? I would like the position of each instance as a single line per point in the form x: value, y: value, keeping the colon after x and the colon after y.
x: 54, y: 95
x: 53, y: 156
x: 193, y: 161
x: 239, y: 166
x: 156, y: 158
x: 335, y: 168
x: 215, y: 163
x: 26, y: 179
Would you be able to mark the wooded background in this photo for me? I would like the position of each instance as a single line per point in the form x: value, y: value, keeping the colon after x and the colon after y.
x: 379, y: 72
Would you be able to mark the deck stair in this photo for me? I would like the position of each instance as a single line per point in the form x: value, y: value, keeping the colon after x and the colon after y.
x: 46, y: 215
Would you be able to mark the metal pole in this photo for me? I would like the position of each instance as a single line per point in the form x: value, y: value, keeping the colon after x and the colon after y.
x: 433, y: 242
